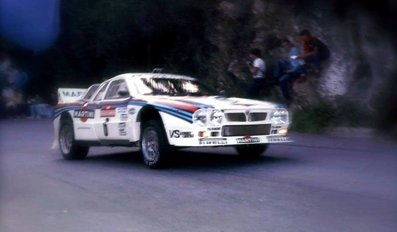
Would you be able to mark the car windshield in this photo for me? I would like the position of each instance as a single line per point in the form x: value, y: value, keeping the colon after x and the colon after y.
x: 170, y: 86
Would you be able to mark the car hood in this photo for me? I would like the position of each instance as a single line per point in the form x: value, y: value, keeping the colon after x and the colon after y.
x: 192, y: 104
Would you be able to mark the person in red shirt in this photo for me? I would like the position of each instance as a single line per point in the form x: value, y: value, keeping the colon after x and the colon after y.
x: 315, y: 52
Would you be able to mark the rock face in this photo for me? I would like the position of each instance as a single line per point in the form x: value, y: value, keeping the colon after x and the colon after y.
x: 362, y: 55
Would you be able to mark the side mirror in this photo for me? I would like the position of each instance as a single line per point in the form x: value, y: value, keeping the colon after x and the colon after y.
x: 123, y: 93
x: 222, y: 93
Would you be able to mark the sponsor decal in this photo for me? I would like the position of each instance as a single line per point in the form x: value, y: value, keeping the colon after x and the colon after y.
x: 181, y: 134
x: 248, y: 140
x: 277, y: 139
x: 131, y: 111
x: 108, y: 111
x: 276, y: 127
x: 122, y: 110
x: 83, y: 128
x: 212, y: 141
x: 84, y: 114
x: 105, y: 127
x: 123, y: 133
x: 69, y: 95
x: 123, y: 117
x: 122, y: 129
x: 214, y: 128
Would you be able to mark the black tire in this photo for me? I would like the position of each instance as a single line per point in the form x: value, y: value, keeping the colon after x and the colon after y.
x: 154, y: 144
x: 251, y: 150
x: 68, y: 146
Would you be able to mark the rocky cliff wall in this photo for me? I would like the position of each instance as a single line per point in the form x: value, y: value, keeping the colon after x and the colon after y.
x: 362, y: 60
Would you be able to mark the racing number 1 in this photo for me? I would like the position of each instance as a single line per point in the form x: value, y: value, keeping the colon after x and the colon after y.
x: 105, y: 127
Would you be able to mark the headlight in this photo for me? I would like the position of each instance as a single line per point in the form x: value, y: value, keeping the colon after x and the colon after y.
x: 200, y: 117
x: 208, y: 117
x: 216, y: 117
x: 280, y: 116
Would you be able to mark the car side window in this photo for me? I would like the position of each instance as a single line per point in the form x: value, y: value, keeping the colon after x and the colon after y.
x: 90, y: 92
x: 101, y: 92
x: 115, y: 88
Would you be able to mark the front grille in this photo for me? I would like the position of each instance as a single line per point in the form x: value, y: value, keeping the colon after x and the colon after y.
x: 242, y: 117
x: 243, y: 130
x: 254, y: 117
x: 235, y: 117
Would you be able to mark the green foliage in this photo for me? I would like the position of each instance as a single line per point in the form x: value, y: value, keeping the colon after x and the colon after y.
x: 342, y: 112
x: 316, y: 118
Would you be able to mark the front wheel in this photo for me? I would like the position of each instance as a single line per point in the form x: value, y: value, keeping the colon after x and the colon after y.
x: 154, y: 144
x: 251, y: 150
x: 69, y: 148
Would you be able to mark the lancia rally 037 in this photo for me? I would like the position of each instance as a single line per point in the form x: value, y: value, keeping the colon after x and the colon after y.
x: 160, y: 112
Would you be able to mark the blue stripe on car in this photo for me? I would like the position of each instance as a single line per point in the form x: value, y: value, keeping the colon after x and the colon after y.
x: 182, y: 114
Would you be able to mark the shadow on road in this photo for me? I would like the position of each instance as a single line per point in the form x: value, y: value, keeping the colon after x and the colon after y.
x: 192, y: 160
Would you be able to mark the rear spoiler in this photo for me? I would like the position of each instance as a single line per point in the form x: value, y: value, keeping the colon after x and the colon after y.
x: 66, y: 95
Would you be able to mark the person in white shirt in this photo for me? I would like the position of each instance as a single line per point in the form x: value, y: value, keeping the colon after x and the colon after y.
x: 257, y: 67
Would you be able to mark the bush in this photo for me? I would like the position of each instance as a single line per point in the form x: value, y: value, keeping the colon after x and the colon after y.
x: 313, y: 119
x: 342, y: 112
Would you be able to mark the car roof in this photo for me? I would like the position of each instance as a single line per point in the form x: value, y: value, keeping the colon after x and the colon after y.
x: 154, y: 75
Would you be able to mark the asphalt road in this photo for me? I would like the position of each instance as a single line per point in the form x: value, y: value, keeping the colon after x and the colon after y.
x: 318, y: 183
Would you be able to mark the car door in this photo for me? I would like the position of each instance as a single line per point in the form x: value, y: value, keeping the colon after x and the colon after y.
x: 113, y: 113
x: 84, y: 118
x: 95, y: 106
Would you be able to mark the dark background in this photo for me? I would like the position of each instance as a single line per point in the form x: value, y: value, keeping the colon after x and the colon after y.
x: 99, y: 39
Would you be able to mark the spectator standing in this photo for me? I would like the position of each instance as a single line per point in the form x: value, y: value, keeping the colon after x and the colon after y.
x: 14, y: 91
x: 257, y: 67
x: 38, y: 108
x: 315, y: 52
x: 231, y: 70
x: 5, y: 64
x: 18, y: 79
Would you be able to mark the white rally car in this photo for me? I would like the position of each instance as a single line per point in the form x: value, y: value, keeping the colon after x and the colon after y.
x: 159, y: 112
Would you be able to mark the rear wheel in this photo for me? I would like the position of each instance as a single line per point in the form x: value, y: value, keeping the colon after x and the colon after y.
x: 154, y: 144
x: 251, y: 150
x: 69, y: 148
